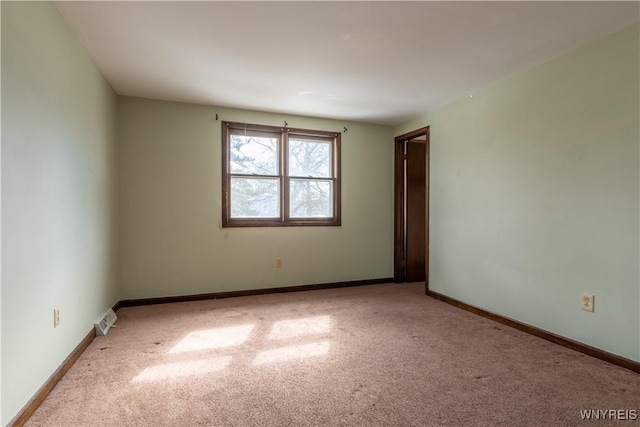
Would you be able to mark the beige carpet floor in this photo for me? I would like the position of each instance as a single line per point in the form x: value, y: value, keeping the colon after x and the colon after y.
x: 365, y: 356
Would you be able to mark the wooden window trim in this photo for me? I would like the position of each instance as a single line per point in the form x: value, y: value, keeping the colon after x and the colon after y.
x: 284, y: 220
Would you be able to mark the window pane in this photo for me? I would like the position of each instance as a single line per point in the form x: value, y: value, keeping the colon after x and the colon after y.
x: 311, y: 198
x: 254, y: 155
x: 309, y: 158
x: 255, y: 198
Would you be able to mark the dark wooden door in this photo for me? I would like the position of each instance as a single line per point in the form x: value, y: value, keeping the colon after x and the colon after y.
x: 415, y: 210
x: 411, y: 206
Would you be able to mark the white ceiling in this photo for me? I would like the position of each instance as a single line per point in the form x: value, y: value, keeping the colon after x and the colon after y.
x: 378, y: 62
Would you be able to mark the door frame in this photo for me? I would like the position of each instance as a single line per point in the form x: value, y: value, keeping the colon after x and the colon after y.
x: 399, y: 255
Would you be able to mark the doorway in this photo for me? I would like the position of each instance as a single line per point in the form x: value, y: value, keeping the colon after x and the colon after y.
x: 411, y: 252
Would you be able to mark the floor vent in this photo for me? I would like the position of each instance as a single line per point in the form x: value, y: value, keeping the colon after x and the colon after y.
x: 105, y: 323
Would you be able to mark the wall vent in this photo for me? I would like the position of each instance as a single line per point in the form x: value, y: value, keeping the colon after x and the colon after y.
x: 105, y: 323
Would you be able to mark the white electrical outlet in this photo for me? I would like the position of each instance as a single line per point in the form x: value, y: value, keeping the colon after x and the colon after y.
x: 56, y: 317
x: 586, y: 302
x: 278, y: 262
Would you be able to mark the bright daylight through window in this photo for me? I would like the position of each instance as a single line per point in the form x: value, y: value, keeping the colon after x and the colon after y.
x: 278, y: 176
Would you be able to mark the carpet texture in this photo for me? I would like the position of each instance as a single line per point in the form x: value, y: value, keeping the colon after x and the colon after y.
x: 364, y: 356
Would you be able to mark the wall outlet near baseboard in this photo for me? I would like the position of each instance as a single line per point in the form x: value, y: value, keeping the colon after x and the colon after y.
x: 56, y: 317
x: 586, y: 302
x: 278, y: 262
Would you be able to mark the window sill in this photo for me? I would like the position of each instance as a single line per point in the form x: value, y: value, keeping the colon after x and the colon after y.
x: 270, y: 223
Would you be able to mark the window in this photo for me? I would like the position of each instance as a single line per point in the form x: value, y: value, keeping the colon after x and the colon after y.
x: 277, y: 176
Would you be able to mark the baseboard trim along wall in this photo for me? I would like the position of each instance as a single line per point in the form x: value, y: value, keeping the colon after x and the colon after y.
x: 232, y: 294
x: 541, y: 333
x: 21, y: 418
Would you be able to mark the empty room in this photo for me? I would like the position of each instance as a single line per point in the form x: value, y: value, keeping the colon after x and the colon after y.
x: 320, y: 213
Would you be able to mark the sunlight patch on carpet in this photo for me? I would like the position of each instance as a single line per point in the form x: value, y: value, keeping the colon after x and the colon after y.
x: 182, y: 369
x: 213, y: 338
x: 297, y: 327
x: 292, y: 353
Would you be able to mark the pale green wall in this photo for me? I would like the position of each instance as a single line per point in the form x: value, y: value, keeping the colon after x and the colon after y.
x: 170, y: 195
x: 535, y: 195
x: 58, y: 197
